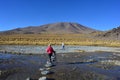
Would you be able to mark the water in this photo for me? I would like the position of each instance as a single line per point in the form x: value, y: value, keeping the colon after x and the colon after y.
x: 6, y: 56
x: 28, y: 65
x: 31, y: 63
x: 33, y: 49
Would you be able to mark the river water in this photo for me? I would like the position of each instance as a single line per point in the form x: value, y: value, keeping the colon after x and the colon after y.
x: 105, y: 65
x: 27, y: 49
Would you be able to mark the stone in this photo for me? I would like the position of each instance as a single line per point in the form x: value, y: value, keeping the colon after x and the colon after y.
x: 45, y: 72
x: 28, y: 78
x: 48, y: 64
x: 0, y: 72
x: 53, y: 58
x: 42, y: 69
x: 43, y: 78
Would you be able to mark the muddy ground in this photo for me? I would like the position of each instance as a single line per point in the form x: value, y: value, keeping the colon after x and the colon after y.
x: 72, y: 66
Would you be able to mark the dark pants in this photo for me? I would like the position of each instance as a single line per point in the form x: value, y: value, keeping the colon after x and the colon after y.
x: 63, y: 47
x: 49, y: 55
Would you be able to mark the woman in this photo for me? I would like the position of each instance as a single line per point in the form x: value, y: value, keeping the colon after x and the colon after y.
x: 50, y: 51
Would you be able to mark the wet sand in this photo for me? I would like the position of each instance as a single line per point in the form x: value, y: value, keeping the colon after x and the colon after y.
x: 72, y: 66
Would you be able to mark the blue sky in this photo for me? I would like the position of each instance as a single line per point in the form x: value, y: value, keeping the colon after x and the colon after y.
x: 96, y: 14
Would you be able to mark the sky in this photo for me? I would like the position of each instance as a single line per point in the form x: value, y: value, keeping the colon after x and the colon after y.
x: 97, y: 14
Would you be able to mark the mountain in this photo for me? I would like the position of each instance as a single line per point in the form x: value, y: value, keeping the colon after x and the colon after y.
x: 113, y: 34
x: 62, y: 27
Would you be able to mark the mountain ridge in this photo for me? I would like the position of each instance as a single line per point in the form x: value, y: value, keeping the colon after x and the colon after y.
x: 60, y: 27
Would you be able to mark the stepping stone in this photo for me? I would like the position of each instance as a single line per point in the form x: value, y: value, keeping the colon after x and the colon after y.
x: 53, y: 58
x: 42, y: 69
x: 43, y: 78
x: 0, y: 72
x: 48, y: 64
x: 45, y: 72
x: 28, y: 78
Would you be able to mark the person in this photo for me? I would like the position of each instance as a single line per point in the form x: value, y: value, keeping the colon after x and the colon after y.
x: 63, y: 46
x: 50, y: 51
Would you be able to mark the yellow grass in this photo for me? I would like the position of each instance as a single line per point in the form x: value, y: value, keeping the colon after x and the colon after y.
x: 56, y: 39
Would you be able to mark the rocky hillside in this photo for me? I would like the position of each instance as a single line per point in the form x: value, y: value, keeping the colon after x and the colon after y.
x: 63, y: 27
x: 111, y: 34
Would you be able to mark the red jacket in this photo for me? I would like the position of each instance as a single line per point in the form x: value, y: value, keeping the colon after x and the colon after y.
x: 49, y: 50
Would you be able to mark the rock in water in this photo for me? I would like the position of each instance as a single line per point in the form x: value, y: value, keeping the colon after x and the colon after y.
x: 0, y: 72
x: 48, y: 64
x: 42, y: 78
x: 28, y: 78
x: 45, y: 72
x: 53, y: 57
x: 42, y: 69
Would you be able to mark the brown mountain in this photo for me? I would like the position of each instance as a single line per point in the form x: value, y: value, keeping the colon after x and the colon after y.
x: 113, y: 34
x: 62, y: 27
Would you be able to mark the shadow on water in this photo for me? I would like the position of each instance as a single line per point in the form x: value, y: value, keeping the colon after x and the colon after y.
x: 91, y: 62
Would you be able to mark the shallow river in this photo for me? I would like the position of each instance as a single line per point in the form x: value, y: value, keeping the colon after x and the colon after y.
x: 30, y: 49
x: 93, y: 64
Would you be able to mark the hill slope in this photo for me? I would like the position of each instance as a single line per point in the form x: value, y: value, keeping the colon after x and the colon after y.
x: 113, y: 34
x: 63, y: 27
